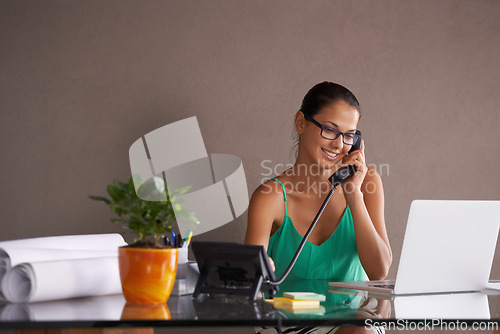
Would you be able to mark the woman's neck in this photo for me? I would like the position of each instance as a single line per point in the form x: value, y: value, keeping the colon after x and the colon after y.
x: 309, y: 178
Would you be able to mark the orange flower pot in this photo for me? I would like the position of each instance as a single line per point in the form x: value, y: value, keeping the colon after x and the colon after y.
x: 147, y: 275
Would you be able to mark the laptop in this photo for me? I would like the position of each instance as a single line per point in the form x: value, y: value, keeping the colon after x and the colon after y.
x: 448, y: 247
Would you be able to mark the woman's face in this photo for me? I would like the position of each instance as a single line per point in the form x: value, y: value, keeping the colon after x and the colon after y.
x: 318, y: 150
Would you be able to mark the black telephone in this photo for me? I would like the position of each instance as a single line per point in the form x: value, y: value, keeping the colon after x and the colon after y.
x: 231, y: 268
x: 343, y: 173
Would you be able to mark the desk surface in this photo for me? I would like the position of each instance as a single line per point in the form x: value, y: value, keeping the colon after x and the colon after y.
x: 341, y: 307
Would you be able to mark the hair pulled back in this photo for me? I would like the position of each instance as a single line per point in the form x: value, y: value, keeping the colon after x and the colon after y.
x: 326, y: 93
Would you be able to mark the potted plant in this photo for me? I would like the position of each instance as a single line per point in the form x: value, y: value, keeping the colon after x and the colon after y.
x: 148, y: 266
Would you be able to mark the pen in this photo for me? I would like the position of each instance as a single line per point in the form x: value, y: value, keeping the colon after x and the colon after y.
x: 190, y: 234
x: 173, y: 239
x: 189, y: 231
x: 178, y: 241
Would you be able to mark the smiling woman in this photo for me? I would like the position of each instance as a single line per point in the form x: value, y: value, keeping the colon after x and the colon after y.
x: 350, y: 241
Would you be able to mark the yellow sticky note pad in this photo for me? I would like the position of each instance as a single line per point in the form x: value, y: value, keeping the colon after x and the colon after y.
x: 295, y: 303
x: 304, y: 296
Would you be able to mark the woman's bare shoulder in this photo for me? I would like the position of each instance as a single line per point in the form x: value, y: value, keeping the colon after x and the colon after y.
x: 270, y: 192
x: 265, y: 209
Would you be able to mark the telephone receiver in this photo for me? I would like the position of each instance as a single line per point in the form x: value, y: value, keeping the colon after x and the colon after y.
x: 344, y: 173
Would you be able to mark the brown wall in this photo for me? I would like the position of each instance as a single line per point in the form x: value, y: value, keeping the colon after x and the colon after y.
x: 80, y: 81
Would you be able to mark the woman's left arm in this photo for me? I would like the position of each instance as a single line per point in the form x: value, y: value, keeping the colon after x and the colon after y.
x: 364, y: 194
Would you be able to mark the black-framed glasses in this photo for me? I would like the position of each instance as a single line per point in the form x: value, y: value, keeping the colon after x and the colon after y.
x: 330, y: 133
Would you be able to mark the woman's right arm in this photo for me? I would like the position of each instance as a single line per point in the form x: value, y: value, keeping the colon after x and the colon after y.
x: 266, y: 206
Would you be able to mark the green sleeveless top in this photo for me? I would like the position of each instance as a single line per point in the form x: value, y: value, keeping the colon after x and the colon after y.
x: 336, y: 259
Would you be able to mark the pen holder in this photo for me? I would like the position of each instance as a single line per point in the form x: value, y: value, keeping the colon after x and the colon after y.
x: 187, y: 274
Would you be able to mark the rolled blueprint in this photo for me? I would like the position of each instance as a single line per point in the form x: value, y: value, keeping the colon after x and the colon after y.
x: 15, y: 252
x: 52, y: 280
x: 109, y: 241
x: 10, y: 257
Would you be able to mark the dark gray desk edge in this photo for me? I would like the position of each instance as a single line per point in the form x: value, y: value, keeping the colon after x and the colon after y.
x: 12, y: 325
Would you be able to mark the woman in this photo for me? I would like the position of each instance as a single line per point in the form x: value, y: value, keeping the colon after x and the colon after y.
x: 350, y: 241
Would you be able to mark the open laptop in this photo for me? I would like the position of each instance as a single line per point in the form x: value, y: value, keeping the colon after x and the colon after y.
x: 448, y: 247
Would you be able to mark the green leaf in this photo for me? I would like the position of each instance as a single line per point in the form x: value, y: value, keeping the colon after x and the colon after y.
x: 117, y: 209
x: 131, y: 186
x: 116, y: 193
x: 146, y: 218
x: 100, y: 199
x: 120, y: 185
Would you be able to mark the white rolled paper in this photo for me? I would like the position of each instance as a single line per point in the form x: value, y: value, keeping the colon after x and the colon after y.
x: 14, y: 252
x: 11, y: 256
x: 42, y: 281
x: 109, y: 241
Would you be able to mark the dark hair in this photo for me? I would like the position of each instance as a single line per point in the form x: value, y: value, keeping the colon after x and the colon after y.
x: 326, y: 93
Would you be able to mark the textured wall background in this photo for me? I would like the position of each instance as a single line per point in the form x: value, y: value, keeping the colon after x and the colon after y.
x: 82, y: 80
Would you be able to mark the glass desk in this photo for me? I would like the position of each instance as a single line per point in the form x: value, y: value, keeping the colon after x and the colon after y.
x: 342, y: 307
